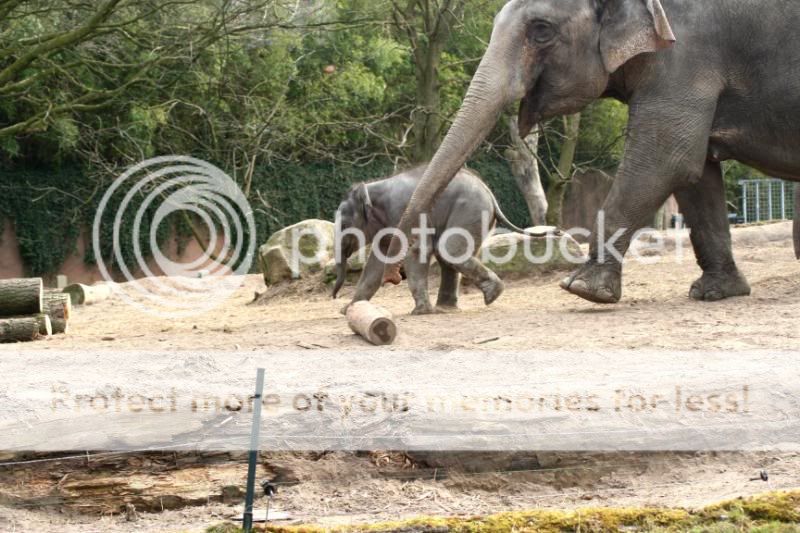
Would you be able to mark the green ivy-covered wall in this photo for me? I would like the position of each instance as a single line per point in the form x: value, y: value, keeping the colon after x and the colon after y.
x: 51, y: 207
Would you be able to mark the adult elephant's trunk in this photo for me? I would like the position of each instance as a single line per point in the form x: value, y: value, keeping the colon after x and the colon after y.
x: 496, y: 83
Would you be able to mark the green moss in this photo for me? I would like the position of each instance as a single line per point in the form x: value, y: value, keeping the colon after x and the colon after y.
x: 777, y: 507
x: 770, y: 513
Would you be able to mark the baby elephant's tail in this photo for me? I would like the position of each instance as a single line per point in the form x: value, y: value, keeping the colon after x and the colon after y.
x: 502, y: 219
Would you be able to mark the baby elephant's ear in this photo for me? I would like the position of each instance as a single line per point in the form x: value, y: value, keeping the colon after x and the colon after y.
x: 361, y: 199
x: 630, y: 28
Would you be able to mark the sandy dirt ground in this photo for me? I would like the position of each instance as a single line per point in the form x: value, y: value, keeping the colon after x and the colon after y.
x: 532, y: 314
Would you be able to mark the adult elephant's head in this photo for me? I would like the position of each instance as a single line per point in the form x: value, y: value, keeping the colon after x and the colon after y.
x: 554, y: 55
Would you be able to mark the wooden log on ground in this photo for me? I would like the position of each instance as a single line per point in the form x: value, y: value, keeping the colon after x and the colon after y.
x: 20, y: 329
x: 374, y: 323
x: 85, y: 295
x: 60, y: 326
x: 58, y: 306
x: 21, y: 297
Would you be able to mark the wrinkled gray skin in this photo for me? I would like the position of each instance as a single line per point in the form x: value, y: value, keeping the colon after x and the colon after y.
x: 461, y: 205
x: 705, y: 80
x: 797, y: 221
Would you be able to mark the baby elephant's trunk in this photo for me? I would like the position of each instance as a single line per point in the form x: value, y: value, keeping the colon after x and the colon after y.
x: 347, y: 246
x: 341, y: 276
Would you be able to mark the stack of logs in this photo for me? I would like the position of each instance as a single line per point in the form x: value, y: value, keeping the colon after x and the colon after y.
x: 29, y: 312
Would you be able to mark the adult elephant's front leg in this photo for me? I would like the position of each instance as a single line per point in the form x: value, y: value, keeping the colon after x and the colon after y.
x: 704, y: 207
x: 665, y: 148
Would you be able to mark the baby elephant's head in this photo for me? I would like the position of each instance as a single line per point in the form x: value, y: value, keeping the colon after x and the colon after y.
x: 357, y: 219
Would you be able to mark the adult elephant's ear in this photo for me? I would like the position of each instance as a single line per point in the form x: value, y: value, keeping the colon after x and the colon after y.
x: 630, y: 28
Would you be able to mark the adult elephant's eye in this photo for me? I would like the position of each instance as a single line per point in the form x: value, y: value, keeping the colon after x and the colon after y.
x: 541, y: 31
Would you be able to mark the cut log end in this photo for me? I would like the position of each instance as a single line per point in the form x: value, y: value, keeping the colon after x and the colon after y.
x: 45, y: 325
x: 384, y: 331
x: 373, y: 323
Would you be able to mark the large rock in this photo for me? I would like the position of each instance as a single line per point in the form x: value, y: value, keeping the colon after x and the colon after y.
x: 355, y: 266
x: 296, y: 251
x: 545, y: 254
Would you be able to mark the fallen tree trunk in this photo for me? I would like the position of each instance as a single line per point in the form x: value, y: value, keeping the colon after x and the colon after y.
x: 85, y: 295
x: 373, y: 323
x: 20, y: 329
x: 21, y: 297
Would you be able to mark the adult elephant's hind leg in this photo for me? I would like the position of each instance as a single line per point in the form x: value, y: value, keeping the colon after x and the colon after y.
x: 704, y: 207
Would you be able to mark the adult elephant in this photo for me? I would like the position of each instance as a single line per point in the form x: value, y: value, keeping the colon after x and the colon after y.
x: 729, y: 88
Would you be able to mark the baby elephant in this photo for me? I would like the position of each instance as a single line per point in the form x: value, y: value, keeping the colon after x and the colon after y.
x: 467, y: 207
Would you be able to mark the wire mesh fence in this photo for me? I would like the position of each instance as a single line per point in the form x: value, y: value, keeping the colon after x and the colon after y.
x: 764, y: 200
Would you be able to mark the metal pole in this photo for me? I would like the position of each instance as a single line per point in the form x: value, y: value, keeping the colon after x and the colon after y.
x: 253, y: 457
x: 758, y: 202
x: 744, y: 200
x: 769, y: 200
x: 783, y: 200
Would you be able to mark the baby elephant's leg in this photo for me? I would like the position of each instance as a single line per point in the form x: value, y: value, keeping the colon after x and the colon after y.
x: 370, y: 280
x: 449, y: 288
x: 456, y: 252
x: 417, y: 266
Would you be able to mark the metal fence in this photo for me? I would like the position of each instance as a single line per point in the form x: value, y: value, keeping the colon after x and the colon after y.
x: 767, y: 199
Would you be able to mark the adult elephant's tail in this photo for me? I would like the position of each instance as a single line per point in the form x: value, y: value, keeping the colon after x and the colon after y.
x: 797, y: 220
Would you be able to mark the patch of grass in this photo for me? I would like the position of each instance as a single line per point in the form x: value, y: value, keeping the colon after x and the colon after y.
x: 777, y: 512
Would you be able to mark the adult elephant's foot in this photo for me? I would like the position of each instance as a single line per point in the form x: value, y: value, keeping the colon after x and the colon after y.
x: 716, y: 286
x: 447, y: 309
x: 492, y: 288
x: 601, y: 284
